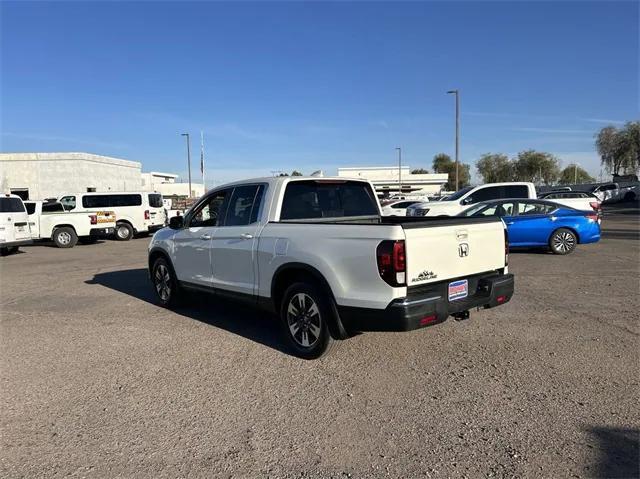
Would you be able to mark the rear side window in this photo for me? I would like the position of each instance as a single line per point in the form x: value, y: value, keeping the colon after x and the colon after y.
x: 31, y: 208
x: 52, y: 207
x: 527, y: 209
x: 318, y: 199
x: 155, y: 200
x: 485, y: 194
x: 106, y: 201
x: 516, y: 191
x: 11, y: 205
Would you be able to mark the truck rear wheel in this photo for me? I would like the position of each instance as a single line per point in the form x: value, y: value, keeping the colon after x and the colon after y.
x: 305, y: 313
x: 65, y: 237
x: 124, y: 232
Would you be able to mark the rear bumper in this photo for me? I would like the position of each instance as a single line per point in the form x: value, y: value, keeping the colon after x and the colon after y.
x: 101, y: 232
x: 154, y: 228
x: 10, y: 244
x: 429, y: 307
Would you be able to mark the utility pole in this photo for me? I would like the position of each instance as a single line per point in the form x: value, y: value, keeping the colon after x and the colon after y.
x: 399, y: 170
x: 188, y: 159
x: 575, y: 173
x: 457, y: 95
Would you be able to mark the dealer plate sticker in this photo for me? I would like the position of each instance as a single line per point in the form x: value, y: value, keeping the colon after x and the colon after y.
x: 458, y: 289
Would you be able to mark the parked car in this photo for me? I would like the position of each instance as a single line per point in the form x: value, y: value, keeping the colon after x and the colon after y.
x: 607, y: 193
x: 317, y: 252
x: 533, y: 223
x: 14, y: 224
x: 580, y: 200
x: 398, y: 208
x: 50, y: 221
x: 462, y: 199
x: 136, y: 212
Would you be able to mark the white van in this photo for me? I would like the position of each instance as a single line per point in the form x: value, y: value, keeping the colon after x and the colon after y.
x: 136, y: 211
x: 14, y: 224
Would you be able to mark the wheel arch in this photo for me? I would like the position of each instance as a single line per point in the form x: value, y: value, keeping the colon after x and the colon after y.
x: 288, y: 274
x: 156, y: 253
x: 57, y: 227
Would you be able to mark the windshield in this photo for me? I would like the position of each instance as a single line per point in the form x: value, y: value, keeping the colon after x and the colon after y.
x: 473, y: 210
x: 458, y: 194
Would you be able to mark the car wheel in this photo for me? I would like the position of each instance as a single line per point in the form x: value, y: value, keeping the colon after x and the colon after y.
x: 563, y: 241
x: 165, y: 283
x: 6, y: 251
x: 124, y: 232
x: 65, y: 237
x: 630, y: 196
x: 305, y: 312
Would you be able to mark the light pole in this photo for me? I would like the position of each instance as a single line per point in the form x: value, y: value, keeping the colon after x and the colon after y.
x: 188, y: 159
x: 575, y: 173
x: 399, y: 170
x: 457, y: 94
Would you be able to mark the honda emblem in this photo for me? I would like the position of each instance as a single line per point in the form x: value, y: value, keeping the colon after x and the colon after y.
x: 463, y: 250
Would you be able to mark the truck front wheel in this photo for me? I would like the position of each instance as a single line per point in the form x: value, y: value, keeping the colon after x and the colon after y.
x: 65, y: 237
x: 304, y: 314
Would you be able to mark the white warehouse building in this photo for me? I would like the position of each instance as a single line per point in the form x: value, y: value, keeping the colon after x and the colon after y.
x: 38, y: 176
x: 386, y: 180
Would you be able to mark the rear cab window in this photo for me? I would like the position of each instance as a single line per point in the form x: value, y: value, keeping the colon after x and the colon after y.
x: 312, y: 199
x: 11, y: 205
x: 155, y: 200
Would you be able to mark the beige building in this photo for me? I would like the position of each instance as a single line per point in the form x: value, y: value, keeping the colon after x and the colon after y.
x: 165, y: 183
x: 37, y: 176
x: 387, y: 179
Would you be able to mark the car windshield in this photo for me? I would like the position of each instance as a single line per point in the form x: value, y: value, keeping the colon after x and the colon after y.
x: 474, y: 209
x: 458, y: 194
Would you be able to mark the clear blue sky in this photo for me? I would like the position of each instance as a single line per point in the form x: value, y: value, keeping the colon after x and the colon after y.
x: 277, y: 86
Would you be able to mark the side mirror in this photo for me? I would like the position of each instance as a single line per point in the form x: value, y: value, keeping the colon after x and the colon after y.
x: 176, y: 222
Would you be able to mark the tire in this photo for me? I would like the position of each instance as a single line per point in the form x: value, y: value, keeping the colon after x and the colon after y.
x: 563, y: 241
x: 165, y: 283
x: 65, y: 237
x: 124, y: 232
x: 305, y: 313
x: 630, y: 196
x: 6, y: 251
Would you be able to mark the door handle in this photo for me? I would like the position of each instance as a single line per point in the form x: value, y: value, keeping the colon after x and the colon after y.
x: 246, y: 236
x: 205, y: 237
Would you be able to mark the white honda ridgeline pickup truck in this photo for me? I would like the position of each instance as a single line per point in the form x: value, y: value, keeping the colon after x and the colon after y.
x: 317, y: 252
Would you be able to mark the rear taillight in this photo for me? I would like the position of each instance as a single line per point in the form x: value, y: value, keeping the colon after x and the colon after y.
x: 592, y: 216
x: 595, y: 205
x: 93, y: 219
x: 506, y: 247
x: 392, y: 262
x: 146, y: 215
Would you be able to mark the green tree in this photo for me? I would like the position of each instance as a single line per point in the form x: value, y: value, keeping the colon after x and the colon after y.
x: 296, y: 173
x: 419, y: 171
x: 536, y: 166
x: 442, y: 163
x: 573, y: 175
x: 619, y: 148
x: 495, y: 168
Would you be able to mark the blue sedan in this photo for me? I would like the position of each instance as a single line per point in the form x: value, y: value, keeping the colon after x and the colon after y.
x: 533, y: 223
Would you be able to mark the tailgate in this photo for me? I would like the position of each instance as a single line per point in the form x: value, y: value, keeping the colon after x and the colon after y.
x: 453, y: 248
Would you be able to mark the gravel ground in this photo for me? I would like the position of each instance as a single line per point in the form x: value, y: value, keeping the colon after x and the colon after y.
x: 99, y: 381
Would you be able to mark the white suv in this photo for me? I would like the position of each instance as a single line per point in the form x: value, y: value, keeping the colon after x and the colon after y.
x: 14, y: 224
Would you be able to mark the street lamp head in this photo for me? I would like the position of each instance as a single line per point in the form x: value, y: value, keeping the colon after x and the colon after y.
x: 452, y: 91
x: 184, y: 134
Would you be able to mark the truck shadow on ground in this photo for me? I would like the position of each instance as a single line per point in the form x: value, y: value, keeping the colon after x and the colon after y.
x: 619, y: 452
x: 235, y: 317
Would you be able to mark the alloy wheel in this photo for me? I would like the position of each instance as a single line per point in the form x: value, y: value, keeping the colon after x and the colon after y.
x: 303, y: 319
x: 162, y: 280
x: 64, y: 238
x: 564, y: 242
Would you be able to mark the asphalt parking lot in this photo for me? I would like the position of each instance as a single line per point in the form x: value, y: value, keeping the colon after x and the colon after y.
x: 99, y: 381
